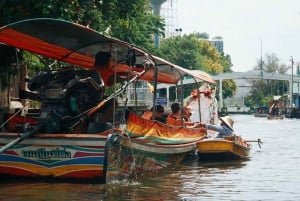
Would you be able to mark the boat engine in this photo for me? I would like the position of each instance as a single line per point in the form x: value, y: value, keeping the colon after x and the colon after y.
x: 65, y: 93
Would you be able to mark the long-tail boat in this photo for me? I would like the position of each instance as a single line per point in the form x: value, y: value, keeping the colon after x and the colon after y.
x: 149, y: 146
x: 60, y: 142
x: 67, y: 140
x: 221, y: 149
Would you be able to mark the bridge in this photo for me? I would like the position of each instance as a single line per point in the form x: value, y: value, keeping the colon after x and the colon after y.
x: 256, y: 75
x: 243, y: 75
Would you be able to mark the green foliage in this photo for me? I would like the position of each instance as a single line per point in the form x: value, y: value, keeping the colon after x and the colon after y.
x: 195, y: 53
x: 203, y: 35
x: 226, y: 63
x: 262, y: 91
x: 34, y: 63
x: 80, y: 11
x: 212, y: 59
x: 132, y: 21
x: 129, y: 20
x: 271, y: 64
x: 228, y: 88
x: 257, y: 94
x: 187, y: 51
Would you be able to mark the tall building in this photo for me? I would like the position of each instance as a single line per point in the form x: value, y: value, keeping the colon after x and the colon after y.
x: 169, y: 12
x: 218, y: 43
x: 156, y: 7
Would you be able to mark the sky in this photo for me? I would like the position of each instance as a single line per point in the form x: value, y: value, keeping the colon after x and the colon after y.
x: 250, y: 28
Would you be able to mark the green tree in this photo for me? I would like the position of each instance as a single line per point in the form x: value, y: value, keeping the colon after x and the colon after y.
x: 272, y: 64
x: 192, y: 53
x: 262, y: 91
x: 132, y: 21
x: 258, y: 93
x: 129, y: 20
x: 195, y: 53
x: 203, y: 35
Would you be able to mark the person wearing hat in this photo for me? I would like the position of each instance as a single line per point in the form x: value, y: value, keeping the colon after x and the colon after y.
x: 224, y: 129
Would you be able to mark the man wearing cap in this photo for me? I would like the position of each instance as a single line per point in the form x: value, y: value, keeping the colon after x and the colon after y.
x: 225, y: 129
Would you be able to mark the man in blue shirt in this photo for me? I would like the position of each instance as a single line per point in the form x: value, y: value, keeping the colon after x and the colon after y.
x: 224, y: 129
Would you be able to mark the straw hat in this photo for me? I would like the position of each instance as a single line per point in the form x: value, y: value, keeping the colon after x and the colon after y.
x: 227, y: 121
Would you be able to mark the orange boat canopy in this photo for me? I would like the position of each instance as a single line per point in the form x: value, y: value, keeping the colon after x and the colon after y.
x: 81, y: 46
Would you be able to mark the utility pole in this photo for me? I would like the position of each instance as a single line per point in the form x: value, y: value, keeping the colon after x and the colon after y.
x: 261, y: 61
x: 292, y: 83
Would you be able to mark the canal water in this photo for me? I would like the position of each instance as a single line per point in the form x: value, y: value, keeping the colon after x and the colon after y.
x: 272, y: 173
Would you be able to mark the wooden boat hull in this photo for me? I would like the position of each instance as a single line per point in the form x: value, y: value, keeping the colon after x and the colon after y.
x: 261, y: 111
x: 275, y: 117
x: 129, y: 158
x: 147, y: 147
x: 85, y: 156
x: 222, y: 149
x: 260, y: 115
x: 57, y: 156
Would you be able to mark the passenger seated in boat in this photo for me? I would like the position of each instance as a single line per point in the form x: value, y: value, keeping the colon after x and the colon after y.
x: 224, y: 129
x: 158, y: 115
x: 176, y: 119
x: 187, y: 113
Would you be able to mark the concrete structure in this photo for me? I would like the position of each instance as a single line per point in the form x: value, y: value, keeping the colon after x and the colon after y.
x: 241, y: 79
x: 156, y: 4
x: 255, y: 75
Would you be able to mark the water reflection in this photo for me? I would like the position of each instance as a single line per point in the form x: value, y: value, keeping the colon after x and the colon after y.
x: 15, y: 191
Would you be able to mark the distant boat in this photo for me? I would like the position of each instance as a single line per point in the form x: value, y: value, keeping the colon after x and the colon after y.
x: 276, y: 108
x: 275, y: 116
x: 261, y: 111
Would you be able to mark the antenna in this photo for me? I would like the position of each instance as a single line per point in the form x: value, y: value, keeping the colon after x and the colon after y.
x: 261, y: 61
